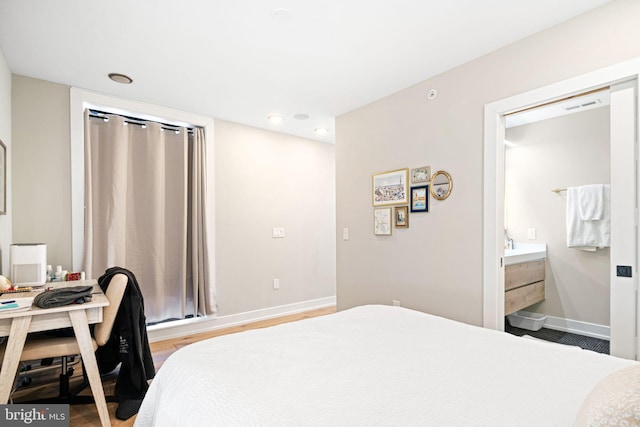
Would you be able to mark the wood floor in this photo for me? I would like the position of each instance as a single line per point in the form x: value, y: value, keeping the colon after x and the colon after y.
x: 45, y: 385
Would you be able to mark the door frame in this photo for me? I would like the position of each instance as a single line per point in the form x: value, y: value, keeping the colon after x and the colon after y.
x: 493, y: 209
x: 624, y: 299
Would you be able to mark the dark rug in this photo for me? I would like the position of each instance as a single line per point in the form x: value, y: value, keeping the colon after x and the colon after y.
x: 587, y: 343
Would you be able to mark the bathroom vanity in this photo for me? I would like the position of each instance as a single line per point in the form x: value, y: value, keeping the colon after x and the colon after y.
x: 524, y: 276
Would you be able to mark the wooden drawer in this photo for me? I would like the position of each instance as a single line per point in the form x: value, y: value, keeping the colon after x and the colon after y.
x: 524, y: 296
x: 517, y: 275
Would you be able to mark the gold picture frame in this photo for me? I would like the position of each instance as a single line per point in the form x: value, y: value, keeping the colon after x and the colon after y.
x: 390, y: 188
x: 401, y: 217
x: 421, y: 175
x: 441, y: 185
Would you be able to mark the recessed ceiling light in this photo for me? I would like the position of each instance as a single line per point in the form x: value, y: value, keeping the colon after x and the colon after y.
x: 120, y: 78
x: 301, y: 116
x: 275, y: 118
x: 322, y: 131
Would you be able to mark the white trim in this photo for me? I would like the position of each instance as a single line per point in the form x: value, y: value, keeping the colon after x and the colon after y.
x: 185, y: 327
x: 493, y: 246
x: 493, y: 286
x: 577, y: 327
x: 81, y: 99
x: 623, y: 219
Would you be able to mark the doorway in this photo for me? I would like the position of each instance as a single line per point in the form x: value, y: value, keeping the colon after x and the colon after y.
x: 624, y: 120
x: 551, y: 149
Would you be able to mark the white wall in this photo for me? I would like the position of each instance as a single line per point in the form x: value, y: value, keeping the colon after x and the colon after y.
x: 265, y: 180
x: 262, y: 180
x: 42, y: 176
x: 5, y: 136
x: 562, y: 152
x: 436, y: 265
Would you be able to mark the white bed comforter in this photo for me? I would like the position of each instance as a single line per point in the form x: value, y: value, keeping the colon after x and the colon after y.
x: 373, y: 366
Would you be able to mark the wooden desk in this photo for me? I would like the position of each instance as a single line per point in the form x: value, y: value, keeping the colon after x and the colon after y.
x: 16, y: 325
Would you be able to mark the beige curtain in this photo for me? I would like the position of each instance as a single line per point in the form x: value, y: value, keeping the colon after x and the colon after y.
x: 145, y: 211
x: 204, y: 300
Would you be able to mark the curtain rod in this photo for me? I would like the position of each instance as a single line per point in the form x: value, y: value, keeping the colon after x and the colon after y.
x: 144, y: 125
x: 135, y: 120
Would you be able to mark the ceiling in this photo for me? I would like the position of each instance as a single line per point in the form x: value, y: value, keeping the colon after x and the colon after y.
x: 242, y: 60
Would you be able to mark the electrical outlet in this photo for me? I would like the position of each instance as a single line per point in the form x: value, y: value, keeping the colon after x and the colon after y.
x: 276, y: 284
x: 531, y: 234
x: 396, y: 303
x: 278, y: 232
x: 623, y: 271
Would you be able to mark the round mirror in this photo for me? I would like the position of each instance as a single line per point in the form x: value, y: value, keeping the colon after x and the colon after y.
x: 441, y: 185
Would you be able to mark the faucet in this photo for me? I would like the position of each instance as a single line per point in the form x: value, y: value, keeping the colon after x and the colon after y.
x: 508, y: 243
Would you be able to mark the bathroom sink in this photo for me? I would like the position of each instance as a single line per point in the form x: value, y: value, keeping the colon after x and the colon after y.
x: 524, y: 252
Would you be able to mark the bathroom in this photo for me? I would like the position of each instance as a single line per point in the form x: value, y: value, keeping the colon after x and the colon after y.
x: 552, y: 148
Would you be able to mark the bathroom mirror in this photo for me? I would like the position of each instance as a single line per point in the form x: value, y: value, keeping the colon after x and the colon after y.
x: 441, y: 185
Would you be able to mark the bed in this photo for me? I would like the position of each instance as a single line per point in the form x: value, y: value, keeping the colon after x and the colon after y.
x: 382, y: 366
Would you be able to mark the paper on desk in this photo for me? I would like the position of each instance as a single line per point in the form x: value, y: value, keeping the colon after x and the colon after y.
x: 15, y: 304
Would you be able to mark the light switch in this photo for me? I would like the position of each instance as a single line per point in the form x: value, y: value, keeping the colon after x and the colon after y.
x: 345, y: 234
x: 278, y: 232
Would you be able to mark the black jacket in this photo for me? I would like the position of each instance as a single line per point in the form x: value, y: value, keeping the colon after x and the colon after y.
x: 128, y: 343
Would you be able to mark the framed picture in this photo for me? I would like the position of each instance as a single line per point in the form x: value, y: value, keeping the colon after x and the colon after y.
x: 420, y: 175
x: 420, y: 198
x: 3, y: 179
x: 401, y: 216
x: 441, y: 185
x: 382, y: 222
x: 390, y: 188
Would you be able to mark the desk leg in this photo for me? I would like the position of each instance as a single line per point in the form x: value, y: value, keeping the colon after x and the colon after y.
x: 81, y: 330
x: 15, y: 344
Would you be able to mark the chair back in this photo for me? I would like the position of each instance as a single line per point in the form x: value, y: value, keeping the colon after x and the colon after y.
x: 114, y: 294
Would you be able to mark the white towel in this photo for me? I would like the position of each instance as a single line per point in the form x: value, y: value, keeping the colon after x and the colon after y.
x: 585, y: 234
x: 591, y: 202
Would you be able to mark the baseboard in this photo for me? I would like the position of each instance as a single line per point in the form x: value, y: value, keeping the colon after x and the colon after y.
x: 577, y: 327
x: 181, y: 328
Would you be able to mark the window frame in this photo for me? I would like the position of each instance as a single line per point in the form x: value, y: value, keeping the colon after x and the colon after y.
x: 80, y: 100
